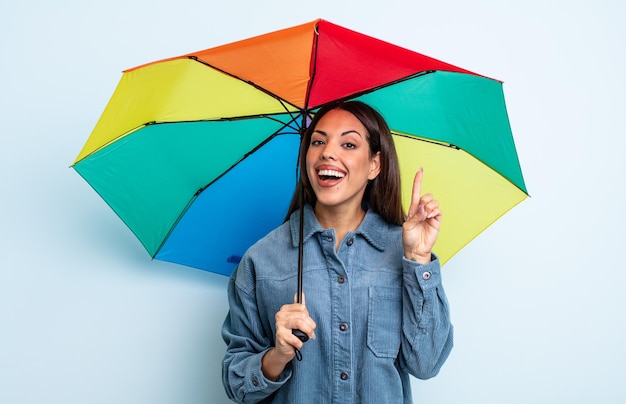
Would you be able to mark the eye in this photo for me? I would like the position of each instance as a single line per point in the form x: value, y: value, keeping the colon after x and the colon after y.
x: 349, y: 145
x: 316, y: 142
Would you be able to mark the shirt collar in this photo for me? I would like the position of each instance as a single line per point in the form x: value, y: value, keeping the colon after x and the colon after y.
x: 373, y: 228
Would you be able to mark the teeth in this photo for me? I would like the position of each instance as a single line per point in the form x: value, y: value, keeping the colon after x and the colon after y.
x: 331, y: 173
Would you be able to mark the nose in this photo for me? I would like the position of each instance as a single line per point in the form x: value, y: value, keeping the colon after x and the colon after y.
x: 328, y: 153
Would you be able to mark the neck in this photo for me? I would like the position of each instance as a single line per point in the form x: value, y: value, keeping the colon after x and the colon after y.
x: 342, y: 219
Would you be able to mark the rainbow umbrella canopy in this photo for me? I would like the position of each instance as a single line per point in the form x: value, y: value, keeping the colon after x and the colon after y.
x: 197, y: 154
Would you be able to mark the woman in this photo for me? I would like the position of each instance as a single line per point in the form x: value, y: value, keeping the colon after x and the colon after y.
x: 374, y: 307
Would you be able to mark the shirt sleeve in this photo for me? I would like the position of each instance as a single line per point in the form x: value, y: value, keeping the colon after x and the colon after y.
x: 246, y: 345
x: 427, y: 331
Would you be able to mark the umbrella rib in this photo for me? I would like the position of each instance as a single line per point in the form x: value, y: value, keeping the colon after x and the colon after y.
x: 296, y: 129
x: 251, y: 83
x: 421, y: 139
x: 400, y: 80
x: 376, y: 88
x: 453, y: 146
x: 199, y: 191
x: 289, y: 125
x: 231, y: 118
x: 115, y: 139
x: 235, y: 118
x: 313, y: 71
x: 245, y: 156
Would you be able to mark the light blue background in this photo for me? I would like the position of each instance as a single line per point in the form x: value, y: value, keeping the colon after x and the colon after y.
x: 537, y: 300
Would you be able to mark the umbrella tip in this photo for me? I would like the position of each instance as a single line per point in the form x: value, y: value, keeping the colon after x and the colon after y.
x: 233, y: 259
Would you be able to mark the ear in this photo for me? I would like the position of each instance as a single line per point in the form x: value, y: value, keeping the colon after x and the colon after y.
x: 374, y: 166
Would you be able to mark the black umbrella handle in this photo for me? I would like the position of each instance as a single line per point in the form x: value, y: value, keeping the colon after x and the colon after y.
x: 301, y: 335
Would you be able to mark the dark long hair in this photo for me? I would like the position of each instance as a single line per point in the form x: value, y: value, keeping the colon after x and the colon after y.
x: 382, y: 194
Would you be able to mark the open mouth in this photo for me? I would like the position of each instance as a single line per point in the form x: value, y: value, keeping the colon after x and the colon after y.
x: 326, y: 175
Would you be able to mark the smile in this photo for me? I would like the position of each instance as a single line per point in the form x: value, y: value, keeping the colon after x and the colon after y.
x: 330, y: 174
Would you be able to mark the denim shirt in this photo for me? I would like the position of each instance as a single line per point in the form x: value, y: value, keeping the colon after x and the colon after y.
x: 379, y: 316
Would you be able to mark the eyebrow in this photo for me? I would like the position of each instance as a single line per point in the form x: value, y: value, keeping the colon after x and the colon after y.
x: 321, y: 132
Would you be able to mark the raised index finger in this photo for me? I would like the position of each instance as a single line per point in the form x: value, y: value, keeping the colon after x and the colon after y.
x: 417, y: 192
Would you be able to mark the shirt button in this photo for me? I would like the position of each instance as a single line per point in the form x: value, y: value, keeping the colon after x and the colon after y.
x: 255, y: 381
x: 350, y: 241
x: 426, y: 275
x: 344, y: 376
x: 343, y: 326
x: 341, y: 279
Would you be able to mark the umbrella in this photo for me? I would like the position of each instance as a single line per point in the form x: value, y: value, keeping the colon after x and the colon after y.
x: 197, y: 154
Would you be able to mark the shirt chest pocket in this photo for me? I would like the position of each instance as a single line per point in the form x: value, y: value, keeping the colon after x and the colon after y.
x: 384, y: 321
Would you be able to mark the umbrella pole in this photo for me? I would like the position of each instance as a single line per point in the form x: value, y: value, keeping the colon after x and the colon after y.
x: 300, y: 185
x: 301, y: 335
x: 300, y: 245
x: 298, y: 333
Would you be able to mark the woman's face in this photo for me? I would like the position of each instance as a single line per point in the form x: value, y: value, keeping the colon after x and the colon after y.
x: 338, y: 160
